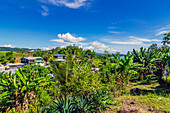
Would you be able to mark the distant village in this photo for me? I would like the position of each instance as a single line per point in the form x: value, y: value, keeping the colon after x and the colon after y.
x: 34, y: 61
x: 30, y: 61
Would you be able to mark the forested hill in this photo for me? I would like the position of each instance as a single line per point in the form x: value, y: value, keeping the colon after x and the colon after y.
x: 14, y: 49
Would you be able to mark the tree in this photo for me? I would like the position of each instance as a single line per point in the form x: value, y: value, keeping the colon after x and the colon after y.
x: 62, y: 70
x: 153, y: 47
x: 166, y: 39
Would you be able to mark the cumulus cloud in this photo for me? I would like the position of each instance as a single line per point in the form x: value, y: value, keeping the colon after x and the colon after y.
x: 58, y: 40
x: 68, y: 3
x: 99, y: 47
x: 9, y: 45
x: 68, y: 38
x: 45, y: 10
x: 46, y: 48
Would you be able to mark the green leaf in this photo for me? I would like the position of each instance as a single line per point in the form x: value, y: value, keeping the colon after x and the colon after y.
x: 15, y: 81
x: 3, y: 94
x: 23, y: 89
x: 21, y: 77
x: 32, y: 84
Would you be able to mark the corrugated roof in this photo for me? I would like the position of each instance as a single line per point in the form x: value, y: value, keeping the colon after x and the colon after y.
x: 15, y: 64
x: 60, y: 55
x: 60, y: 60
x: 33, y: 58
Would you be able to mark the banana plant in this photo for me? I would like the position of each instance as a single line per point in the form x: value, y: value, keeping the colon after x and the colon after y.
x: 164, y: 58
x: 147, y: 58
x: 124, y: 68
x: 21, y: 87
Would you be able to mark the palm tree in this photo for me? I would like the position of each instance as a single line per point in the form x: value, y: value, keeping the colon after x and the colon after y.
x: 62, y: 70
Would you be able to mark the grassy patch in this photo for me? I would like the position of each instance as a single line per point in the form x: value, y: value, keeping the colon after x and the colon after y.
x: 2, y: 53
x: 150, y: 102
x: 152, y: 98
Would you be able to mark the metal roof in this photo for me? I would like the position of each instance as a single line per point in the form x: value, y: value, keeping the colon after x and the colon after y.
x: 60, y: 60
x: 34, y: 58
x: 60, y: 55
x: 15, y: 64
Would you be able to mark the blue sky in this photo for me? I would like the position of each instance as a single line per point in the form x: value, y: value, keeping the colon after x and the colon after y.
x: 113, y: 25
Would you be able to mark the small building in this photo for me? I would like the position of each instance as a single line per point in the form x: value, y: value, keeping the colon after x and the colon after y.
x: 2, y: 68
x: 32, y: 61
x: 60, y: 60
x: 60, y: 57
x: 15, y: 65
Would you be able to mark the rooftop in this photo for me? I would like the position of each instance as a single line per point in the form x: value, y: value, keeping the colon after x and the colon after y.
x: 15, y: 64
x: 60, y: 55
x: 60, y: 60
x: 30, y: 58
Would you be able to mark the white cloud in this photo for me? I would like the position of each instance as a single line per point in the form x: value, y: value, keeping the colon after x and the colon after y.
x: 45, y: 10
x: 115, y: 32
x: 128, y: 43
x: 68, y: 38
x: 144, y: 39
x: 162, y: 32
x: 58, y: 40
x: 9, y: 45
x: 46, y: 48
x: 99, y: 47
x: 68, y: 3
x: 112, y: 27
x: 135, y: 41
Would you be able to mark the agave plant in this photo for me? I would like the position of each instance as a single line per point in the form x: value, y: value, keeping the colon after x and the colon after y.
x: 86, y: 104
x: 62, y: 105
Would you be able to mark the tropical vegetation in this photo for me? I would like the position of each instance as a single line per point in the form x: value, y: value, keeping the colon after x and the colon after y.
x: 91, y: 85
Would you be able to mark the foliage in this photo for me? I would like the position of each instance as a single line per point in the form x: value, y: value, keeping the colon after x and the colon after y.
x: 166, y: 39
x: 147, y: 59
x: 20, y: 89
x: 62, y: 105
x: 80, y: 104
x: 83, y: 80
x: 33, y: 87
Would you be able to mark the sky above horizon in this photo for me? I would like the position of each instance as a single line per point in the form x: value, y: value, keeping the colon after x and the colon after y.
x: 112, y: 25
